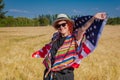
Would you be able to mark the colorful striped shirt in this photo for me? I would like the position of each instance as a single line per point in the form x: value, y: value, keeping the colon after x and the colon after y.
x: 66, y: 55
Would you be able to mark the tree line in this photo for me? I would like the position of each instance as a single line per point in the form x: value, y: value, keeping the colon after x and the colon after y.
x: 41, y: 20
x: 114, y: 21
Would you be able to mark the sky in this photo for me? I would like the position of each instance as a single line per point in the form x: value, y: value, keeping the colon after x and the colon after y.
x: 33, y: 8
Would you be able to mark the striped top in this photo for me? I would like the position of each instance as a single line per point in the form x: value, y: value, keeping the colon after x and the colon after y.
x: 65, y: 54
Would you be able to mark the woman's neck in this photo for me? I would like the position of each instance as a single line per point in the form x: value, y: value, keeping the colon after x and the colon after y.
x: 64, y: 35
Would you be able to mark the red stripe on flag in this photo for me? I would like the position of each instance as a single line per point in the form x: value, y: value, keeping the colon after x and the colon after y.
x: 75, y: 65
x: 80, y: 56
x: 86, y: 49
x: 45, y: 50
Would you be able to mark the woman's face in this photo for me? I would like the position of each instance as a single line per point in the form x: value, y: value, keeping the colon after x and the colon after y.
x: 62, y: 27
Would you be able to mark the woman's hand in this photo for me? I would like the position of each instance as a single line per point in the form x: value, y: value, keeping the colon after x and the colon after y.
x: 101, y: 15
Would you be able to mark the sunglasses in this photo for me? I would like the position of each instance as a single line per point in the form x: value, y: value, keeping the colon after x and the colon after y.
x: 59, y: 25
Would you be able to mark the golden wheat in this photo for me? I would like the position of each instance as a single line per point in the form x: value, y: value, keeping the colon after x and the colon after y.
x: 18, y: 43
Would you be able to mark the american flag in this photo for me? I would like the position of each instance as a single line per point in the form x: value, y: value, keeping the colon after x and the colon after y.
x: 92, y: 34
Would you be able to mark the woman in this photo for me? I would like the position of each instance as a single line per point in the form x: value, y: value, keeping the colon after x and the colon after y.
x: 61, y: 53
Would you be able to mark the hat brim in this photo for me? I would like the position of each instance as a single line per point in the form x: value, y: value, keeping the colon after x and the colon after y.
x: 71, y: 22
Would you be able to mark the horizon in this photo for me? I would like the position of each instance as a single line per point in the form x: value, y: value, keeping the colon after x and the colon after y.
x: 32, y: 9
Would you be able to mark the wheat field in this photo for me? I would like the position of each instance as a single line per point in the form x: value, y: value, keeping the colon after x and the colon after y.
x: 18, y: 43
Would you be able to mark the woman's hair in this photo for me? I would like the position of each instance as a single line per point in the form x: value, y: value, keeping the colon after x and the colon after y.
x: 70, y: 27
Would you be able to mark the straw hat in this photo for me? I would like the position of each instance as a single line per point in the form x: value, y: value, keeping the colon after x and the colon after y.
x: 63, y: 17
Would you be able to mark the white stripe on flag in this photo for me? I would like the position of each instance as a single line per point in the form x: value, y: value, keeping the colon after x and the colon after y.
x: 83, y: 53
x: 89, y: 45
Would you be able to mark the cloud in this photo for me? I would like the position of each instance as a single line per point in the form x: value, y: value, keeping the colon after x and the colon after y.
x: 95, y: 8
x: 18, y: 11
x: 76, y: 11
x: 117, y: 8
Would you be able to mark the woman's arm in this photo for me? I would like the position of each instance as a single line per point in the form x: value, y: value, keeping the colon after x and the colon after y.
x: 82, y: 30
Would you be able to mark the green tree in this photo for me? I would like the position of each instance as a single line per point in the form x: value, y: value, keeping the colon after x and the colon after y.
x: 2, y: 13
x: 10, y: 21
x: 113, y: 21
x: 35, y: 22
x: 43, y: 20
